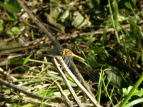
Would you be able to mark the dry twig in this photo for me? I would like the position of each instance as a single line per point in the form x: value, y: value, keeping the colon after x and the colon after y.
x: 67, y: 82
x: 60, y: 60
x: 41, y: 26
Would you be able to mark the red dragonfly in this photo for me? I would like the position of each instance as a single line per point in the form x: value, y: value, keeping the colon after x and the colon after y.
x: 69, y: 53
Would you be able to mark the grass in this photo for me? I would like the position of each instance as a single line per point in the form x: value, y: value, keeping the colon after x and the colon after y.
x: 108, y: 35
x: 131, y: 92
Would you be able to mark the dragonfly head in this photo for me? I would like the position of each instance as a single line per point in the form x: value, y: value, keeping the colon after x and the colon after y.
x: 62, y: 52
x: 66, y: 52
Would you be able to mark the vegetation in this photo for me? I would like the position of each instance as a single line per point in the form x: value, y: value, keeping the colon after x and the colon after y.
x: 108, y: 34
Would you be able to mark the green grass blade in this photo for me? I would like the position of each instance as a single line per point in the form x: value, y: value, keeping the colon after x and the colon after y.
x: 140, y: 100
x: 132, y: 91
x: 101, y: 79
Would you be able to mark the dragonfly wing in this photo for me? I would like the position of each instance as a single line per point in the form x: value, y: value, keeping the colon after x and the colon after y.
x: 67, y: 60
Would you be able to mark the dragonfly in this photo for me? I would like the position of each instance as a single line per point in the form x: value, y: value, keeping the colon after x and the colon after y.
x: 68, y: 52
x: 68, y: 56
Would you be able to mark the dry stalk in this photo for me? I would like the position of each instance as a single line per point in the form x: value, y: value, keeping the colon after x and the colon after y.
x: 56, y: 60
x: 61, y: 61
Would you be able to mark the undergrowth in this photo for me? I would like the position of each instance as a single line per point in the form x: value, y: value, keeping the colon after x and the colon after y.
x: 107, y: 33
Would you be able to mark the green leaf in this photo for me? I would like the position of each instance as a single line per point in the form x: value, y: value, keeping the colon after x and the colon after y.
x: 116, y: 78
x: 16, y: 61
x: 27, y: 105
x: 134, y: 88
x: 115, y: 7
x: 94, y: 64
x: 79, y: 20
x: 9, y: 32
x: 11, y: 6
x: 64, y: 15
x: 15, y: 30
x: 26, y: 59
x: 126, y: 4
x: 1, y: 24
x: 11, y: 17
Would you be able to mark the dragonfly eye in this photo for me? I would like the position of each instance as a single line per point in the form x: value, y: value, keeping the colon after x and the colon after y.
x: 62, y: 52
